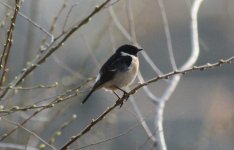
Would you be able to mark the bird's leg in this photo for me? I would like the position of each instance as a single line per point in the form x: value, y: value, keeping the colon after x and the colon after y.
x: 119, y: 99
x: 116, y: 94
x: 125, y: 94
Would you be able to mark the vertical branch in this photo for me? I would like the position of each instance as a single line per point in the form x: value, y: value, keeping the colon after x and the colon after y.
x: 142, y: 120
x: 135, y: 106
x: 159, y: 110
x: 167, y: 33
x: 8, y: 43
x: 194, y: 35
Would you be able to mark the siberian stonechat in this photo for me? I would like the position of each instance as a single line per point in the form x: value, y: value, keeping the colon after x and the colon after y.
x: 119, y: 71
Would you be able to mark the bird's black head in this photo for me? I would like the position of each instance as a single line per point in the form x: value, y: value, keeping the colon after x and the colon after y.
x: 128, y: 49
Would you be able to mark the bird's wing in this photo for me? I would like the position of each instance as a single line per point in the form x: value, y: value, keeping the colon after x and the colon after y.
x: 116, y: 63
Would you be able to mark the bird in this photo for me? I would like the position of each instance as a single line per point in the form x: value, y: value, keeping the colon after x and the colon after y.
x: 119, y: 71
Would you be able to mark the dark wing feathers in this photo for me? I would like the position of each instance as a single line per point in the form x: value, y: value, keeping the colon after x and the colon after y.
x: 120, y: 63
x: 116, y: 63
x: 113, y: 65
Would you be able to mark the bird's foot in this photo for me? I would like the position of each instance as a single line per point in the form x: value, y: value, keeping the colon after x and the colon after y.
x: 125, y: 95
x: 119, y: 102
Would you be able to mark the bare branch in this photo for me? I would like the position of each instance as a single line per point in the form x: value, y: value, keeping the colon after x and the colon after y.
x: 41, y: 86
x: 31, y: 132
x: 55, y: 100
x: 167, y: 33
x: 142, y: 121
x: 52, y: 27
x: 4, y: 136
x: 111, y: 138
x: 8, y: 43
x: 120, y: 101
x: 15, y: 146
x: 32, y: 22
x: 63, y: 65
x: 62, y: 127
x: 67, y: 16
x: 42, y: 58
x: 67, y: 95
x: 159, y: 110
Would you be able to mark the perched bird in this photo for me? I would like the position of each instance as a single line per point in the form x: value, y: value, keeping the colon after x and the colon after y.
x: 119, y: 71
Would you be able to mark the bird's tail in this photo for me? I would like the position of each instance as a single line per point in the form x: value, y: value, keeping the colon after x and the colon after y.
x: 86, y: 98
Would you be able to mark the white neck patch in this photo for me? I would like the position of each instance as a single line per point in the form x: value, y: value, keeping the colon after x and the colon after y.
x: 126, y: 54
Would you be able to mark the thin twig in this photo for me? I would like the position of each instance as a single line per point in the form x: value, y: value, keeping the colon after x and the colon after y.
x: 34, y: 106
x: 144, y: 143
x: 42, y: 58
x: 89, y: 49
x: 167, y: 33
x: 4, y: 136
x: 52, y: 27
x: 67, y: 95
x: 64, y: 66
x: 29, y: 131
x: 61, y: 128
x: 109, y: 139
x: 142, y: 120
x: 41, y: 86
x: 67, y: 16
x: 15, y: 146
x: 55, y: 100
x: 92, y: 123
x: 8, y: 43
x: 32, y: 22
x: 6, y: 16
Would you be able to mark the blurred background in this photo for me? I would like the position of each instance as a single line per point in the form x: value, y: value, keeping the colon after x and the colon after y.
x: 199, y: 114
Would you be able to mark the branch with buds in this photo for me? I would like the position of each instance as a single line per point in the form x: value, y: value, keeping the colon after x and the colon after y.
x: 74, y: 92
x: 126, y: 96
x: 8, y: 43
x: 39, y: 59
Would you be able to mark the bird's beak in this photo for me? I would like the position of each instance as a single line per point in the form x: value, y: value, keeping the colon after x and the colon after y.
x: 140, y: 50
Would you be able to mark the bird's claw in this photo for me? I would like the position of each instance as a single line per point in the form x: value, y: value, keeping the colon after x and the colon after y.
x: 119, y: 102
x: 126, y: 96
